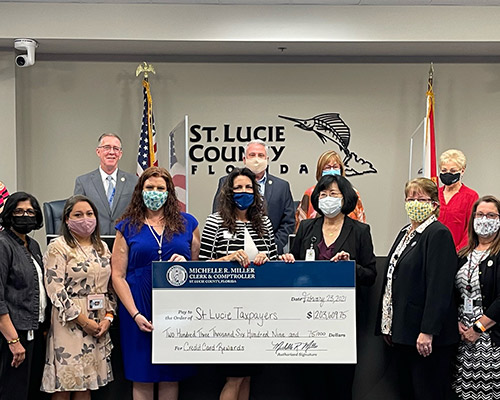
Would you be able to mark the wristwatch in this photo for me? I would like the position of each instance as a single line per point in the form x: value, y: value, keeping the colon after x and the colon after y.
x: 478, y: 327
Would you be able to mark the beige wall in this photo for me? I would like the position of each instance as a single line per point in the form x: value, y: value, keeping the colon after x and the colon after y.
x: 62, y: 107
x: 8, y: 173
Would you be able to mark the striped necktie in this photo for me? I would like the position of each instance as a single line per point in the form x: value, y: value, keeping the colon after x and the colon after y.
x: 111, y: 190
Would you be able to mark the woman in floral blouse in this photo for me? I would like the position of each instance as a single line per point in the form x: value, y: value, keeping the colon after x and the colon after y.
x: 77, y: 272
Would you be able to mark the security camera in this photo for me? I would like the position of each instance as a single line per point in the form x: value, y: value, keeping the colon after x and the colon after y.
x: 28, y: 45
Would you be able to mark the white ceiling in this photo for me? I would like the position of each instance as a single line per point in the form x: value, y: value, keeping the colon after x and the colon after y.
x: 275, y: 2
x: 71, y: 45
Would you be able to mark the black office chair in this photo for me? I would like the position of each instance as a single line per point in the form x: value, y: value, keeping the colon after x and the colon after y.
x: 53, y: 211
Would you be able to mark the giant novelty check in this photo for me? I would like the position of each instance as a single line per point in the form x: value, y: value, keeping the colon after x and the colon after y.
x: 219, y: 312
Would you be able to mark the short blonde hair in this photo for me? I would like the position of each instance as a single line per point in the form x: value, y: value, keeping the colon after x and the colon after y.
x: 324, y: 159
x: 454, y: 156
x: 424, y: 185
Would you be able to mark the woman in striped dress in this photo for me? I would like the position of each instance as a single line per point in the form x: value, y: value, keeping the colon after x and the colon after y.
x: 478, y: 282
x: 239, y: 231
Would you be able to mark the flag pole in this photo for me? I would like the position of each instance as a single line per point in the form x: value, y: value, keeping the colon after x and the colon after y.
x: 146, y: 69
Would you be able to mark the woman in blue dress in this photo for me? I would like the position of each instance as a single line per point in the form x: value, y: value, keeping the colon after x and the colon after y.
x: 152, y: 229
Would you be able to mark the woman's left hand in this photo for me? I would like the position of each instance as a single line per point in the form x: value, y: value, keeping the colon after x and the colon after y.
x: 177, y: 258
x: 424, y: 344
x: 260, y: 259
x: 103, y: 327
x: 470, y: 335
x: 341, y: 256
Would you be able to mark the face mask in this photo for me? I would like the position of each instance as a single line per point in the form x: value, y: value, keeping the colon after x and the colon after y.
x: 486, y: 227
x: 243, y: 200
x: 82, y: 227
x: 331, y: 172
x: 256, y: 164
x: 154, y: 200
x: 330, y: 206
x: 418, y: 211
x: 449, y: 178
x: 23, y: 224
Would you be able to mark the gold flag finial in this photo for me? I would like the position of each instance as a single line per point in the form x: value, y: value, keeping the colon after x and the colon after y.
x: 146, y: 69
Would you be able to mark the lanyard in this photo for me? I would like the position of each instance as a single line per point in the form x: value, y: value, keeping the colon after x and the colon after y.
x: 159, y: 241
x: 98, y: 274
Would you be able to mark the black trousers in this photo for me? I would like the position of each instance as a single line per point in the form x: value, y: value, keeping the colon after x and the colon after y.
x: 322, y: 381
x: 424, y: 378
x: 23, y: 382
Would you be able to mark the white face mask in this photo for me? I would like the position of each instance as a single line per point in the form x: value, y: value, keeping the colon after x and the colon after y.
x: 330, y: 206
x: 256, y: 164
x: 486, y: 227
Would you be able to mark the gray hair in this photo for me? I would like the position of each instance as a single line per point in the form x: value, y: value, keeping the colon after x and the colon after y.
x: 257, y: 141
x: 109, y: 135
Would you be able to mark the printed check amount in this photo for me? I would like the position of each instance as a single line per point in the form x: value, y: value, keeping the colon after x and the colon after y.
x: 219, y: 312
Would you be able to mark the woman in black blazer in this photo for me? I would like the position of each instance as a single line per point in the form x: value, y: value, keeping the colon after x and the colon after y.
x: 336, y: 237
x: 417, y: 310
x: 478, y: 286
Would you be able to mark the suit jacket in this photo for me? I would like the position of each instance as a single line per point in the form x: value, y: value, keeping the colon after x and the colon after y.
x: 91, y: 185
x: 489, y: 278
x: 279, y: 205
x: 422, y: 288
x: 354, y: 238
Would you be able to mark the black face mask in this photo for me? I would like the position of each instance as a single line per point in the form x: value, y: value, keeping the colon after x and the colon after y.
x: 23, y: 224
x: 449, y: 178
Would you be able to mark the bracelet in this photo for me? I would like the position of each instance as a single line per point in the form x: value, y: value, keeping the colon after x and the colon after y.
x: 480, y: 326
x: 136, y: 314
x: 13, y: 341
x: 109, y: 317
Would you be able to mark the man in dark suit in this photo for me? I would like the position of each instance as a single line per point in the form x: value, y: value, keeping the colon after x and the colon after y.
x: 276, y: 192
x: 109, y: 188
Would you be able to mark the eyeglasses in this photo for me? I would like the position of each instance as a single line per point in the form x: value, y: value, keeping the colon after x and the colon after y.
x: 330, y: 167
x: 335, y: 195
x: 19, y: 212
x: 108, y: 148
x: 487, y: 215
x: 420, y: 200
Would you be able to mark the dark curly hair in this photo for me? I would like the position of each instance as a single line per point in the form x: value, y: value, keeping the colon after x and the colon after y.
x: 95, y: 237
x: 227, y: 207
x: 11, y: 204
x: 136, y: 210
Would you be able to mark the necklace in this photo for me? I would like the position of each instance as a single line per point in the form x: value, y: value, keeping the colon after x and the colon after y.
x: 159, y: 241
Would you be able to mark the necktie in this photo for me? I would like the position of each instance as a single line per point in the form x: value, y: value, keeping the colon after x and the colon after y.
x: 111, y: 190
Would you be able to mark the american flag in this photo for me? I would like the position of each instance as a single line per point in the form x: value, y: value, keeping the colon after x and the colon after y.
x: 146, y: 155
x: 178, y: 172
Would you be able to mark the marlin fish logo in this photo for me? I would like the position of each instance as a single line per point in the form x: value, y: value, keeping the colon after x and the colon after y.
x: 331, y: 127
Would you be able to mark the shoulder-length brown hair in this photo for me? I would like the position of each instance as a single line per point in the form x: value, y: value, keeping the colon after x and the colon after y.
x: 95, y: 237
x: 227, y: 207
x: 473, y: 239
x: 136, y: 210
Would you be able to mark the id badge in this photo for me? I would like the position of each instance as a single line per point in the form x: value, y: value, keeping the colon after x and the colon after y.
x: 95, y: 302
x: 468, y: 305
x: 310, y: 256
x: 30, y: 336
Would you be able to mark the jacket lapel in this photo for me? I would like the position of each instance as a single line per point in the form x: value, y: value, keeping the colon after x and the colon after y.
x: 269, y: 188
x: 409, y: 247
x: 99, y: 187
x: 344, y: 234
x: 120, y: 183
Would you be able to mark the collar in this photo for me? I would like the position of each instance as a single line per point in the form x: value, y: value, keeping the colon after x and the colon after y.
x: 17, y: 238
x: 263, y: 180
x: 423, y: 225
x: 104, y: 175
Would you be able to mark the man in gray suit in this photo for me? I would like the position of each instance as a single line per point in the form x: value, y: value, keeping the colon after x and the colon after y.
x: 109, y: 188
x: 276, y: 192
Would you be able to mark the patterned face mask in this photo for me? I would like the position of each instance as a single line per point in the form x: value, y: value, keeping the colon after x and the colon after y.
x: 418, y: 211
x: 154, y: 200
x: 486, y: 226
